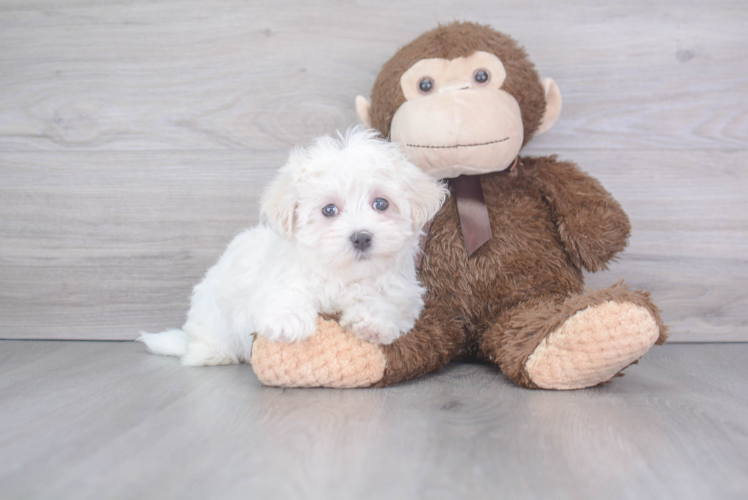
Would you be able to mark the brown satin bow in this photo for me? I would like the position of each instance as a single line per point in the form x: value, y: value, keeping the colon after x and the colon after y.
x: 472, y: 211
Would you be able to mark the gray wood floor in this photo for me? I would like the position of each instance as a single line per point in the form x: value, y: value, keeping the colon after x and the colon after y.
x: 103, y: 420
x: 135, y: 137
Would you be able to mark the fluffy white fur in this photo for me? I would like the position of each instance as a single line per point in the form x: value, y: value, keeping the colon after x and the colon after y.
x: 274, y: 279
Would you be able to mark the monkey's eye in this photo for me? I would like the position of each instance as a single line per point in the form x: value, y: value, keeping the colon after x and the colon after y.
x: 330, y: 211
x: 426, y: 85
x: 381, y: 204
x: 481, y: 76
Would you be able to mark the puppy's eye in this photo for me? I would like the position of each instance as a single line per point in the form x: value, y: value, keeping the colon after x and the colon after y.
x: 426, y: 85
x: 381, y: 204
x: 330, y: 211
x: 481, y: 76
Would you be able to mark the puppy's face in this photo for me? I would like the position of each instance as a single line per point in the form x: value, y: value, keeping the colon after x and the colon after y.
x: 354, y: 206
x: 353, y: 217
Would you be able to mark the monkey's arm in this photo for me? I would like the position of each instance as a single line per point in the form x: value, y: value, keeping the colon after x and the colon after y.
x: 436, y: 339
x: 591, y: 223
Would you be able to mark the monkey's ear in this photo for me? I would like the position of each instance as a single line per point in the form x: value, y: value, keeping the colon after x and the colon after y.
x: 552, y: 106
x: 363, y: 105
x: 278, y: 203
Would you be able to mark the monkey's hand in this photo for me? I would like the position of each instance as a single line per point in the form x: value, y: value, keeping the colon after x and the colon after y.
x: 332, y: 357
x: 591, y: 223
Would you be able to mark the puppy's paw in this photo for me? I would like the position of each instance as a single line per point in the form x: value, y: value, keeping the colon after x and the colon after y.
x: 369, y: 327
x: 377, y: 332
x: 287, y: 327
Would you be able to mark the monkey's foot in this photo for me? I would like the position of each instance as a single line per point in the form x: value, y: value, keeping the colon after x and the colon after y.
x: 592, y: 346
x: 332, y: 357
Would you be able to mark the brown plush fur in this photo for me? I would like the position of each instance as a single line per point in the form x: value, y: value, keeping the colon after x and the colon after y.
x: 549, y: 221
x: 440, y: 338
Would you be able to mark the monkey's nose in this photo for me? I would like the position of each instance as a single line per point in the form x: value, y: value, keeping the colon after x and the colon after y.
x: 361, y: 240
x: 454, y: 85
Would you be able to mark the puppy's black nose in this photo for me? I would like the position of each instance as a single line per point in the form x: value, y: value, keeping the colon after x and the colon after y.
x: 361, y: 240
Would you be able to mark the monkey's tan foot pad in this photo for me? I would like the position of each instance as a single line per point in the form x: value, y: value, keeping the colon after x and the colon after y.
x: 332, y: 357
x: 592, y: 346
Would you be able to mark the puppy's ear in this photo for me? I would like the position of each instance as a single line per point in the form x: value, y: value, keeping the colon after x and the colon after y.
x: 278, y: 203
x: 426, y: 194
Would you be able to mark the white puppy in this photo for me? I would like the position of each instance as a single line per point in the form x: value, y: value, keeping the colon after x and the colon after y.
x: 338, y: 234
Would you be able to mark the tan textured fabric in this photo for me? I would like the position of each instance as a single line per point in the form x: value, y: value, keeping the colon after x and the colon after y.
x: 363, y: 105
x: 461, y: 127
x: 453, y: 74
x: 553, y: 104
x: 458, y: 133
x: 331, y: 358
x: 592, y: 346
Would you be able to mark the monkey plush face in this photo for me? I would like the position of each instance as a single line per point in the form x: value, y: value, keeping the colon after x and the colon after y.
x: 461, y: 99
x: 456, y: 118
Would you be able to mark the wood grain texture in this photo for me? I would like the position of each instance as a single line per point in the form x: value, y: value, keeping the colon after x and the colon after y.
x: 94, y: 252
x: 177, y: 74
x: 102, y: 245
x: 135, y: 138
x: 106, y: 420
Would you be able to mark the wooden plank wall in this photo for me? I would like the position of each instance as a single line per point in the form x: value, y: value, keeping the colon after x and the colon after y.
x: 135, y: 137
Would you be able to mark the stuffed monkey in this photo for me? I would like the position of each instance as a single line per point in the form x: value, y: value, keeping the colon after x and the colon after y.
x: 503, y: 258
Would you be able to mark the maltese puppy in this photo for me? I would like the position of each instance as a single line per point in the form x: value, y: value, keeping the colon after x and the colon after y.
x: 339, y: 233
